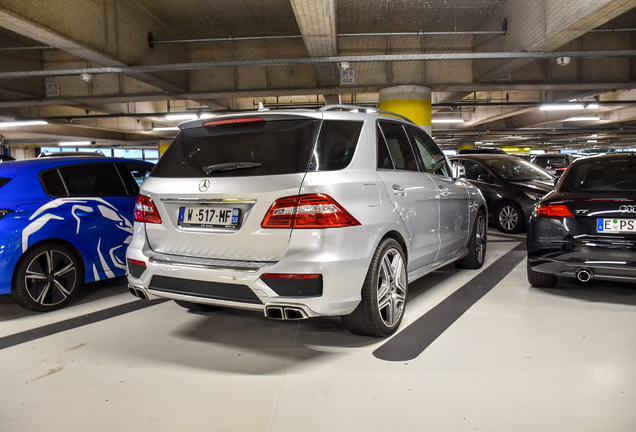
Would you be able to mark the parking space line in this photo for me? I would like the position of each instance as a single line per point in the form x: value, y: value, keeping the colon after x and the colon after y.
x: 72, y: 323
x: 414, y: 339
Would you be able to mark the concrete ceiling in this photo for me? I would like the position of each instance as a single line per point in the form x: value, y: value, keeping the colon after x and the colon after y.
x: 491, y: 63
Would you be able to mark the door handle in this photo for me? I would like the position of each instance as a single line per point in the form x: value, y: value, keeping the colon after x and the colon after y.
x: 398, y: 190
x: 84, y: 214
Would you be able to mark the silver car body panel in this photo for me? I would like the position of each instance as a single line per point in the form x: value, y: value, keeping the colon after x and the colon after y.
x: 341, y: 255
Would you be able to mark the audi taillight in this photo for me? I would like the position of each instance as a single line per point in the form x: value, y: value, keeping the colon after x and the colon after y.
x: 146, y: 211
x: 308, y: 211
x: 554, y: 211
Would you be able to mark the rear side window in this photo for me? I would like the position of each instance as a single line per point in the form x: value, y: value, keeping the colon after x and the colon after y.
x: 336, y: 144
x: 248, y: 149
x: 52, y: 183
x: 92, y: 180
x: 399, y: 146
x: 4, y: 181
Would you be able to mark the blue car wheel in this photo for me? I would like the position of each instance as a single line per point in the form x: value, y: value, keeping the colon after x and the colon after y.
x: 46, y: 278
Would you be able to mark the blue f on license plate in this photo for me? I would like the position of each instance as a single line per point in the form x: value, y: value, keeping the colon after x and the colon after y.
x: 208, y: 216
x: 615, y: 225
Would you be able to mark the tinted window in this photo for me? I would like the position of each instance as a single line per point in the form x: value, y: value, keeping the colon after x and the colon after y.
x: 384, y: 157
x: 4, y: 181
x: 399, y: 146
x: 138, y: 171
x: 603, y: 175
x: 52, y: 183
x: 432, y: 157
x: 336, y: 144
x: 473, y: 169
x: 512, y: 168
x: 252, y: 149
x: 92, y: 180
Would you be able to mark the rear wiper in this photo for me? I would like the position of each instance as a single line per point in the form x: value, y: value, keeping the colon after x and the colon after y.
x: 231, y: 166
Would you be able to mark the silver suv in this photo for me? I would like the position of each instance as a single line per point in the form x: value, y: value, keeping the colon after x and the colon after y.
x: 301, y: 214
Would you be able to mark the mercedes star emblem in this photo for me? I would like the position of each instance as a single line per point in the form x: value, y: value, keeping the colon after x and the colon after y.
x: 204, y: 185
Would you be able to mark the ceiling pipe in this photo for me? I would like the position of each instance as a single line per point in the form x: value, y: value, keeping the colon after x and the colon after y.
x: 26, y: 48
x: 318, y: 60
x: 152, y: 41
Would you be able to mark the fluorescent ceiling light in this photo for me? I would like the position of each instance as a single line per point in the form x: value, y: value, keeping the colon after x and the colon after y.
x: 591, y: 118
x: 592, y: 141
x: 74, y: 143
x: 592, y: 106
x: 561, y: 107
x: 23, y: 123
x: 171, y: 128
x: 447, y: 121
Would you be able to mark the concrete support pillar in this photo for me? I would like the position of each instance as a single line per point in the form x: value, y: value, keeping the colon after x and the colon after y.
x: 411, y: 101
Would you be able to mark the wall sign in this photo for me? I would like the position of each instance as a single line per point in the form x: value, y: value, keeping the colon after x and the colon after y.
x: 347, y: 76
x: 53, y: 89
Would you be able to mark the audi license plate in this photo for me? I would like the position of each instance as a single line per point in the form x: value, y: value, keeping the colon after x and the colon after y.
x: 615, y: 225
x: 207, y: 216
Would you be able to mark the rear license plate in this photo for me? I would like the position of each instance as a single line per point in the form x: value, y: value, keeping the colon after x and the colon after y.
x: 205, y: 216
x: 615, y: 225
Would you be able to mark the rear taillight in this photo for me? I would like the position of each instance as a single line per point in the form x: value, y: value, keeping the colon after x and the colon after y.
x: 554, y: 211
x: 146, y: 211
x: 308, y: 211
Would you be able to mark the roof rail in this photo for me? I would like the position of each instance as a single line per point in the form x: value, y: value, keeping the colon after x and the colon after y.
x: 363, y: 109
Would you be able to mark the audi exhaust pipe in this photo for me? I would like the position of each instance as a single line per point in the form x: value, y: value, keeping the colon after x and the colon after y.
x: 584, y: 275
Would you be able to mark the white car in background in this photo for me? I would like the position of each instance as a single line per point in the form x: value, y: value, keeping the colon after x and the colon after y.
x: 302, y: 214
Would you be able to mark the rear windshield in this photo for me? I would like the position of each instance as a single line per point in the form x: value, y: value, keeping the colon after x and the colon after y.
x: 260, y: 149
x: 551, y: 161
x: 602, y: 176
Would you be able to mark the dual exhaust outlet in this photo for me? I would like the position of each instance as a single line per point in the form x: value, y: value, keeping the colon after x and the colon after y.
x: 288, y: 313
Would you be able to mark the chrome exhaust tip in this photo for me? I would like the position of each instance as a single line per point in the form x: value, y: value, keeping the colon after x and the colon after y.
x: 274, y: 312
x: 292, y: 313
x: 584, y: 275
x: 138, y: 292
x: 287, y: 313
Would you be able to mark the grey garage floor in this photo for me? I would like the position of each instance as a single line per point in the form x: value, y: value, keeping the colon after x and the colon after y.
x: 478, y: 350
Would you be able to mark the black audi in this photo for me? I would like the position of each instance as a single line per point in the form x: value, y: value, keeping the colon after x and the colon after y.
x: 512, y: 187
x: 586, y: 228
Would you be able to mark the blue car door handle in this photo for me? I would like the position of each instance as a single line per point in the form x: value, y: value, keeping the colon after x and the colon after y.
x: 84, y: 214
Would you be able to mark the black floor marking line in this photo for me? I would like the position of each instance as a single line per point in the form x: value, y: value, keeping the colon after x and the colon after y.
x: 413, y: 340
x: 72, y: 323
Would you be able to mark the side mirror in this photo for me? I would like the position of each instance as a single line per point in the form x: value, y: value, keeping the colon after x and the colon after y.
x: 484, y: 178
x: 459, y: 172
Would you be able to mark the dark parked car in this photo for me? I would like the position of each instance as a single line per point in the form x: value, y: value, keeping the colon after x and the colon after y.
x: 511, y: 186
x: 586, y: 228
x: 64, y: 221
x: 555, y: 164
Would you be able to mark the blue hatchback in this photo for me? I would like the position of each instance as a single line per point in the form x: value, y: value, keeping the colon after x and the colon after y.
x: 64, y: 221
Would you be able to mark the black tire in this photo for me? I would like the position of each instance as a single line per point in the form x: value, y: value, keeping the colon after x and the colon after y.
x: 540, y: 280
x: 477, y: 245
x: 198, y: 307
x: 381, y: 309
x: 509, y: 218
x: 46, y: 277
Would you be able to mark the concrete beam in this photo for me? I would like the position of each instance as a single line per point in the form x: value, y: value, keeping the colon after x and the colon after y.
x: 541, y: 25
x: 105, y: 32
x: 317, y: 22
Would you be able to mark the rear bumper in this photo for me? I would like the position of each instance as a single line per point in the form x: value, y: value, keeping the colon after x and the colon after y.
x: 552, y: 249
x: 340, y: 256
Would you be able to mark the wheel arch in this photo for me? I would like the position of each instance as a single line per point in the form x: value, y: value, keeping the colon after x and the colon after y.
x: 395, y: 235
x: 79, y: 256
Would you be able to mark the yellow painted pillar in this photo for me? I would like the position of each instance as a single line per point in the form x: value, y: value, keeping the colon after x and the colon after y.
x: 411, y: 101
